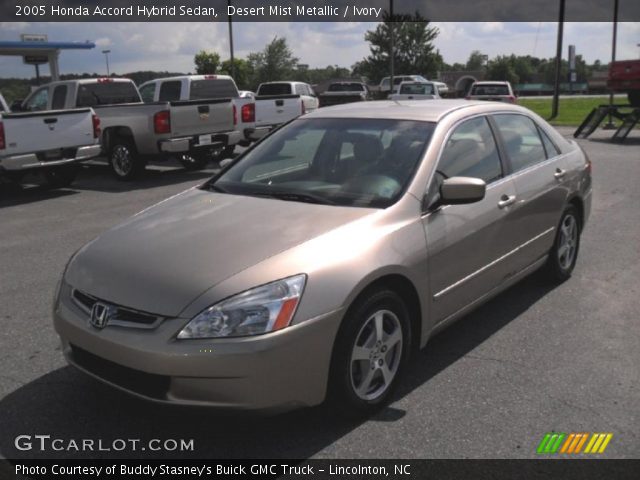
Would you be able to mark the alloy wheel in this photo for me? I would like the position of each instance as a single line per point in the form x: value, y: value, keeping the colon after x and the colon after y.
x: 376, y: 355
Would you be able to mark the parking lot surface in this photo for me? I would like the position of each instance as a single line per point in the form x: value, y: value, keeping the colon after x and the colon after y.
x: 536, y: 359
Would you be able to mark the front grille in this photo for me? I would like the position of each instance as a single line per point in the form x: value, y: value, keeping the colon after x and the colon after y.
x: 147, y: 384
x: 124, y: 317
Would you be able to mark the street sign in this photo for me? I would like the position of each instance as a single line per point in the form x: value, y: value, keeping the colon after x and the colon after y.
x: 35, y: 59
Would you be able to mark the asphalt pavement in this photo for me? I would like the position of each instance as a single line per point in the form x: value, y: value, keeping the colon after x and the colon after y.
x: 536, y: 359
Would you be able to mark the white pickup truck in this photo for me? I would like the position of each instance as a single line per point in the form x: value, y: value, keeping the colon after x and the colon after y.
x: 133, y: 132
x: 279, y: 102
x: 416, y: 91
x: 190, y: 88
x: 48, y: 142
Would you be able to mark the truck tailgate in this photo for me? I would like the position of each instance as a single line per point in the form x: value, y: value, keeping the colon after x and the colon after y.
x: 47, y: 131
x: 277, y: 109
x: 195, y: 117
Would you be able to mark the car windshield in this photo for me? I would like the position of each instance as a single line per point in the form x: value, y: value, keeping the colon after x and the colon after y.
x: 346, y: 87
x: 490, y: 89
x: 335, y: 161
x: 417, y: 89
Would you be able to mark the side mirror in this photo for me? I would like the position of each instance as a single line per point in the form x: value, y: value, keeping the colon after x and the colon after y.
x: 462, y: 190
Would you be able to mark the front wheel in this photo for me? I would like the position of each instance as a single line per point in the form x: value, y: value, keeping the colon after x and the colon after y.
x: 124, y: 160
x: 60, y: 177
x: 564, y: 253
x: 370, y: 353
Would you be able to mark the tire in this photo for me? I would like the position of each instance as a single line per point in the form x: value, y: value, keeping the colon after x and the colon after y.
x: 226, y: 152
x: 195, y: 161
x: 634, y: 98
x: 358, y: 382
x: 61, y: 177
x: 564, y: 253
x: 124, y: 160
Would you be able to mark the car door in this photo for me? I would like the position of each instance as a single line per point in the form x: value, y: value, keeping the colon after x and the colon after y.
x: 538, y: 174
x: 469, y: 244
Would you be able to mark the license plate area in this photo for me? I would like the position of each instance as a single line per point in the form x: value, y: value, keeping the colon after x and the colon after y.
x: 204, y: 140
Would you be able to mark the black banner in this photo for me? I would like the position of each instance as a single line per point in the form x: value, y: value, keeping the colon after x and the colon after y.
x: 556, y: 469
x: 312, y: 10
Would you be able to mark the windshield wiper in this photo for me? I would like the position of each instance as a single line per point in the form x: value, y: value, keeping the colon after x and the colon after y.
x: 296, y: 197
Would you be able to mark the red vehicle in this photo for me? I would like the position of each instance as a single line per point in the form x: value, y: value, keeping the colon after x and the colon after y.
x: 624, y: 76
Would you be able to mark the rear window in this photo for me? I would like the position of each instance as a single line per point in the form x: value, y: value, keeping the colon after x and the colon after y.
x: 275, y: 89
x: 213, y: 88
x: 107, y: 93
x: 488, y: 89
x: 346, y: 87
x: 417, y: 89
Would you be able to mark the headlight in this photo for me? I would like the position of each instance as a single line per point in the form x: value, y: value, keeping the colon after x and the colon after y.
x: 259, y: 310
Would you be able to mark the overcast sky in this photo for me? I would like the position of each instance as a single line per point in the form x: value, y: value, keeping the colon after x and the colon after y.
x: 171, y: 46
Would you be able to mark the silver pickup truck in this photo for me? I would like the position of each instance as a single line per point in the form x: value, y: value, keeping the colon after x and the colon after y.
x: 51, y: 143
x: 133, y: 131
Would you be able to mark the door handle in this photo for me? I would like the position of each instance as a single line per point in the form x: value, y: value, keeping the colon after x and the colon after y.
x: 506, y: 200
x: 559, y: 173
x: 50, y: 120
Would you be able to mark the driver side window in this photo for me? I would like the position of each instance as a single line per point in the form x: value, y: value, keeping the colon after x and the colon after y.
x: 39, y: 101
x: 470, y: 151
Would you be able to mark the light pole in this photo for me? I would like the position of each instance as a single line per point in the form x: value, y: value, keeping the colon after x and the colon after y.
x: 106, y: 58
x: 233, y: 65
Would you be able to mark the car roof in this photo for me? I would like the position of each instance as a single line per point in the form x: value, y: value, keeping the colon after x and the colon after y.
x: 431, y: 111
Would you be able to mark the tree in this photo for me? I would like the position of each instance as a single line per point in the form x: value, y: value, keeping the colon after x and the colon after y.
x: 206, y: 62
x: 241, y: 73
x: 414, y: 53
x: 475, y: 62
x: 275, y: 62
x: 501, y: 68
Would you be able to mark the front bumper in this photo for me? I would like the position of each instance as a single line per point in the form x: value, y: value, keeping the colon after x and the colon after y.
x: 34, y: 161
x: 277, y: 371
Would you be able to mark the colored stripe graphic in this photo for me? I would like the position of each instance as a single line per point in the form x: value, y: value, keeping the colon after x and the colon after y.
x: 572, y: 443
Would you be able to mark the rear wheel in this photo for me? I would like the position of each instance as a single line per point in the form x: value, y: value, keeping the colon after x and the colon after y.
x: 563, y: 255
x: 125, y: 162
x: 61, y: 177
x: 370, y: 353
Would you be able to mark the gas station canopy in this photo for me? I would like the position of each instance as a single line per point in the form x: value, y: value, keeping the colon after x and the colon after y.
x: 37, y: 52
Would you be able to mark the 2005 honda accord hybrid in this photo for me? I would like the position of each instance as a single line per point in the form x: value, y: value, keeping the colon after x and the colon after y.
x: 316, y: 262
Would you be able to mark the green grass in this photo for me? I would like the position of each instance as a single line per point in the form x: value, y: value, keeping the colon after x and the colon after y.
x: 571, y: 111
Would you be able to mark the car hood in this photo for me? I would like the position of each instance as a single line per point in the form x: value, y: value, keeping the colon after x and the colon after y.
x: 161, y: 259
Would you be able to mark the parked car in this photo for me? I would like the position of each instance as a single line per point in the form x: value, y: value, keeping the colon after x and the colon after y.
x: 338, y: 93
x: 133, y: 132
x: 416, y: 91
x: 51, y: 143
x: 279, y: 102
x: 386, y: 89
x: 492, y: 91
x: 324, y: 255
x: 222, y: 88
